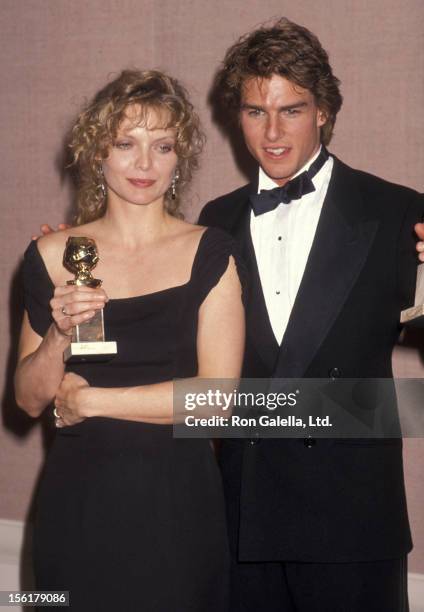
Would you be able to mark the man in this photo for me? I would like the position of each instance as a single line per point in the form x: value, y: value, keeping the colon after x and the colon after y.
x: 315, y: 525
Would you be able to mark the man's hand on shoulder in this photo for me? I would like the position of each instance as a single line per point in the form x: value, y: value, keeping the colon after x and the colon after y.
x: 419, y: 230
x: 47, y: 229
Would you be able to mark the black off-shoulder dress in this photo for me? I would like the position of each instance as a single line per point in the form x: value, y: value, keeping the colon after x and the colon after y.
x: 129, y: 518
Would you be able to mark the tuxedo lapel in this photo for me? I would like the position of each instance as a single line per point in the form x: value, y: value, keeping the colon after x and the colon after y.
x: 342, y: 241
x: 258, y: 326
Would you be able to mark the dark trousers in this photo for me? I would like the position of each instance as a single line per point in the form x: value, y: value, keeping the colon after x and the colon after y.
x: 379, y: 586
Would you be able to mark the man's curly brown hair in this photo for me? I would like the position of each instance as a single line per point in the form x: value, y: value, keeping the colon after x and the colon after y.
x: 97, y: 125
x: 288, y: 50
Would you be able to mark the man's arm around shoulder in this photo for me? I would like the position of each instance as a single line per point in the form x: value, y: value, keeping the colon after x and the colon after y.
x: 220, y: 211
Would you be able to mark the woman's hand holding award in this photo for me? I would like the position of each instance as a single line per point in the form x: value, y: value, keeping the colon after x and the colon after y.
x: 88, y: 339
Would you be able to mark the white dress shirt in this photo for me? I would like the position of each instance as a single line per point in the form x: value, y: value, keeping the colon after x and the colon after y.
x: 282, y: 239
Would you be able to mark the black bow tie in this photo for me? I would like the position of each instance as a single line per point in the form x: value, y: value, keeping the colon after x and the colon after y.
x: 302, y: 184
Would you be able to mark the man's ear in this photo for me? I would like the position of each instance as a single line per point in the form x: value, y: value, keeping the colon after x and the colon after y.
x: 322, y: 117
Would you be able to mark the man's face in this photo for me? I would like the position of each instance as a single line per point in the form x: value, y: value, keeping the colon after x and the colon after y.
x: 281, y: 125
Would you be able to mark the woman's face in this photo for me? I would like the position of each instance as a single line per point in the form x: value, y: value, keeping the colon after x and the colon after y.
x: 142, y: 159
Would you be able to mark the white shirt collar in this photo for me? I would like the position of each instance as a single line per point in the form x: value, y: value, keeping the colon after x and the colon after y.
x: 266, y: 182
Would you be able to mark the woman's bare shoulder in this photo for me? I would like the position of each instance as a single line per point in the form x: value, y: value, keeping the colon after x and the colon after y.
x: 52, y: 246
x: 52, y: 242
x: 189, y: 232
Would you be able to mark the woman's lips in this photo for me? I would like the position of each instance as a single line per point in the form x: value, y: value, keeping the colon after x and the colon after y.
x: 141, y: 182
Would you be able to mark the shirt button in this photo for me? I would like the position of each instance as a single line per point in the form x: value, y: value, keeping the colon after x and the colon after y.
x: 277, y: 292
x: 334, y: 373
x: 255, y: 439
x: 309, y: 442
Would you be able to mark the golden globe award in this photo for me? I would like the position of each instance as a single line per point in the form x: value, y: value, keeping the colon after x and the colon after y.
x: 414, y: 316
x: 88, y: 339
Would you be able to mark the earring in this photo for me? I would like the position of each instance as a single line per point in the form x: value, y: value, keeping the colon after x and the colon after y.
x: 174, y: 184
x: 102, y: 185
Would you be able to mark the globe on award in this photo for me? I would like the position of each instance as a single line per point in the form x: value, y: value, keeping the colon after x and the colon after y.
x: 88, y: 339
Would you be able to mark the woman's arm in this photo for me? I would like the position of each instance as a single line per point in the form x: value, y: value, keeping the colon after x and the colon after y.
x: 40, y: 366
x: 220, y: 346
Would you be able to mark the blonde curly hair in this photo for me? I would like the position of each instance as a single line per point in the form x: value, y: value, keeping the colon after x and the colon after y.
x: 97, y: 125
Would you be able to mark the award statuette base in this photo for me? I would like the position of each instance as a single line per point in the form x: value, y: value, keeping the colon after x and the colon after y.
x: 78, y: 352
x: 414, y: 316
x: 88, y: 343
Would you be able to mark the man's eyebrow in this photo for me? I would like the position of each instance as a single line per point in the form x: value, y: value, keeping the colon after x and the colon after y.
x: 247, y: 106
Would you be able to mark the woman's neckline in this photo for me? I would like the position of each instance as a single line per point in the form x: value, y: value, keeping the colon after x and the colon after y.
x: 143, y: 295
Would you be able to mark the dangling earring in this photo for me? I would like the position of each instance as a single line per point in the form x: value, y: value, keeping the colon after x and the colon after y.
x: 174, y: 184
x: 102, y: 185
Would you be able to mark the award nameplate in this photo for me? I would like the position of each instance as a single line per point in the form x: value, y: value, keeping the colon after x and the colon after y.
x: 414, y: 316
x: 88, y: 339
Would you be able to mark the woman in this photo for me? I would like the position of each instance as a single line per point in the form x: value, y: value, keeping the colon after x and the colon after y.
x: 128, y: 517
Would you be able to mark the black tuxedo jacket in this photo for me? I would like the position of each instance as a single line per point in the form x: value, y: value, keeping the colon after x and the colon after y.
x: 326, y: 500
